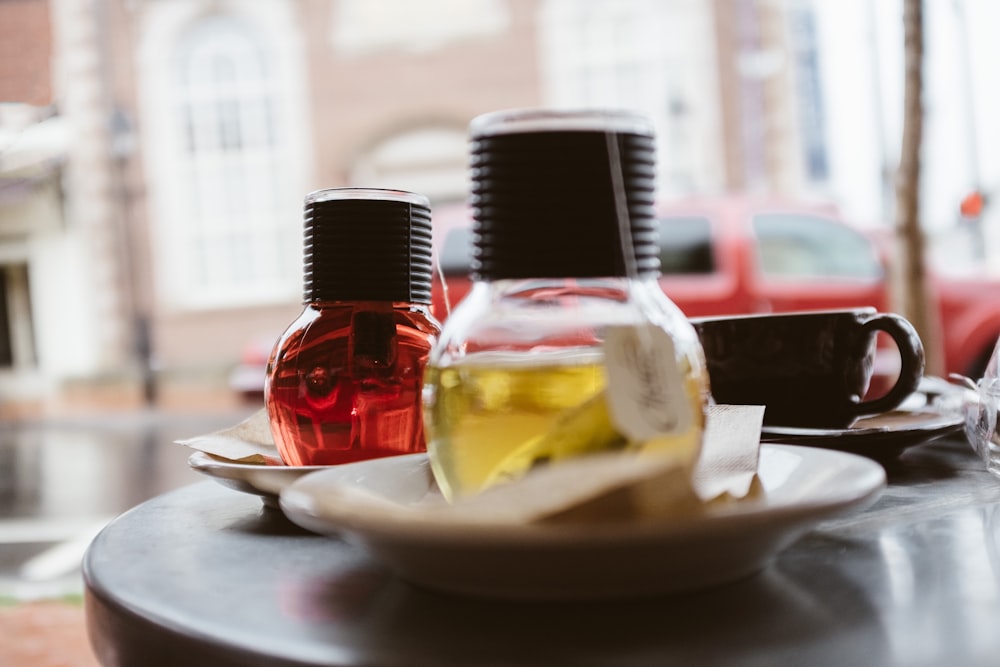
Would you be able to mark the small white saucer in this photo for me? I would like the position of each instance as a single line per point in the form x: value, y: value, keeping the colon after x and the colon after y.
x: 372, y: 504
x: 265, y: 481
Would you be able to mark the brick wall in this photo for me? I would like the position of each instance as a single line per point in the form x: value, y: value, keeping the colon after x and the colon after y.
x: 25, y: 52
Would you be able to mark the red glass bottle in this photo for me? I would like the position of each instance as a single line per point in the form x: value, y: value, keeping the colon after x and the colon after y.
x: 344, y: 380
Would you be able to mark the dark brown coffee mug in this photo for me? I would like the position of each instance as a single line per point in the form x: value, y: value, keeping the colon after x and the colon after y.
x: 809, y: 368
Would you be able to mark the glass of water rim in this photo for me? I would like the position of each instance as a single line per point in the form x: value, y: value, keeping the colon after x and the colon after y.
x: 980, y: 412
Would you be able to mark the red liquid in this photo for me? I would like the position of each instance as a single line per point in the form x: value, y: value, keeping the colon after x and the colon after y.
x: 344, y: 382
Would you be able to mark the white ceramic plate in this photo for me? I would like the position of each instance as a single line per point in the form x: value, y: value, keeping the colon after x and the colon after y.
x: 257, y: 479
x: 370, y: 503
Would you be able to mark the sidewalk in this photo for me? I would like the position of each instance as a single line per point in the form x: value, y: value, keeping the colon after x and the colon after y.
x: 45, y: 634
x: 64, y: 466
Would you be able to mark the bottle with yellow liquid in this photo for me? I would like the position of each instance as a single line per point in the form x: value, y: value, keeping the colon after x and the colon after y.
x: 565, y: 344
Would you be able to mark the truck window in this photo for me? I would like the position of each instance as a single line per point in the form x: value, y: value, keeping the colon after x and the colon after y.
x: 685, y: 248
x: 801, y: 246
x: 456, y: 252
x: 686, y: 245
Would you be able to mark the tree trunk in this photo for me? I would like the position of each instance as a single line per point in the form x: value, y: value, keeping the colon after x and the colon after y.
x: 909, y: 275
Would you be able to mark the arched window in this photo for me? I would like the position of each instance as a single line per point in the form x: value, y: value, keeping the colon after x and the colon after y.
x: 430, y: 160
x: 231, y: 235
x: 225, y: 142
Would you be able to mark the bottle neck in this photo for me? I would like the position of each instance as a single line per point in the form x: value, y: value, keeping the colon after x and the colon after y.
x: 367, y: 305
x: 611, y: 287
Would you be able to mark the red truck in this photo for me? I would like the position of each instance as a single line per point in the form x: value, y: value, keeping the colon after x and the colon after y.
x: 734, y: 255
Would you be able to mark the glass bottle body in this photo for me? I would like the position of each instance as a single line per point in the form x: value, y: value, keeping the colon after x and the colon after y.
x: 344, y: 382
x: 520, y: 377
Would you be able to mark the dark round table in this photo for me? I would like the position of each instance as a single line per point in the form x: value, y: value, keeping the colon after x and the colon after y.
x: 208, y: 576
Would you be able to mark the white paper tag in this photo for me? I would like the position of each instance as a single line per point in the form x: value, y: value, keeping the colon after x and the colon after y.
x: 646, y: 394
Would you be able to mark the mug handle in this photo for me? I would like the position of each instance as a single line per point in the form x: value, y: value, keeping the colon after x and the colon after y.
x: 911, y: 353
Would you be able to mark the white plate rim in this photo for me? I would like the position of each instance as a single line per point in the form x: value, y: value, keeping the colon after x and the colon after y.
x: 298, y: 503
x: 246, y: 477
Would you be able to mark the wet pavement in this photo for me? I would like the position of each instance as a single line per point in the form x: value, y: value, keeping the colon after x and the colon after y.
x: 63, y: 479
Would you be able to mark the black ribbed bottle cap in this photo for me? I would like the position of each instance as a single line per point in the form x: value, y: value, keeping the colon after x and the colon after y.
x: 548, y: 188
x: 365, y: 244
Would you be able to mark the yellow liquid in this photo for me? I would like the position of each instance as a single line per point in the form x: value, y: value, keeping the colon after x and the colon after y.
x: 489, y: 420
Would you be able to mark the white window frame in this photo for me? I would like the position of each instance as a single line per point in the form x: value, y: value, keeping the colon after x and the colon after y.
x: 652, y: 56
x: 226, y: 225
x: 363, y: 27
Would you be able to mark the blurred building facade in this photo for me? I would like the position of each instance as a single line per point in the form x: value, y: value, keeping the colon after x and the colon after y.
x: 154, y: 161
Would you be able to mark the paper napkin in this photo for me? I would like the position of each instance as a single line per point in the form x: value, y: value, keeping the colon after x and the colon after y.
x: 250, y: 441
x: 727, y: 466
x: 598, y: 487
